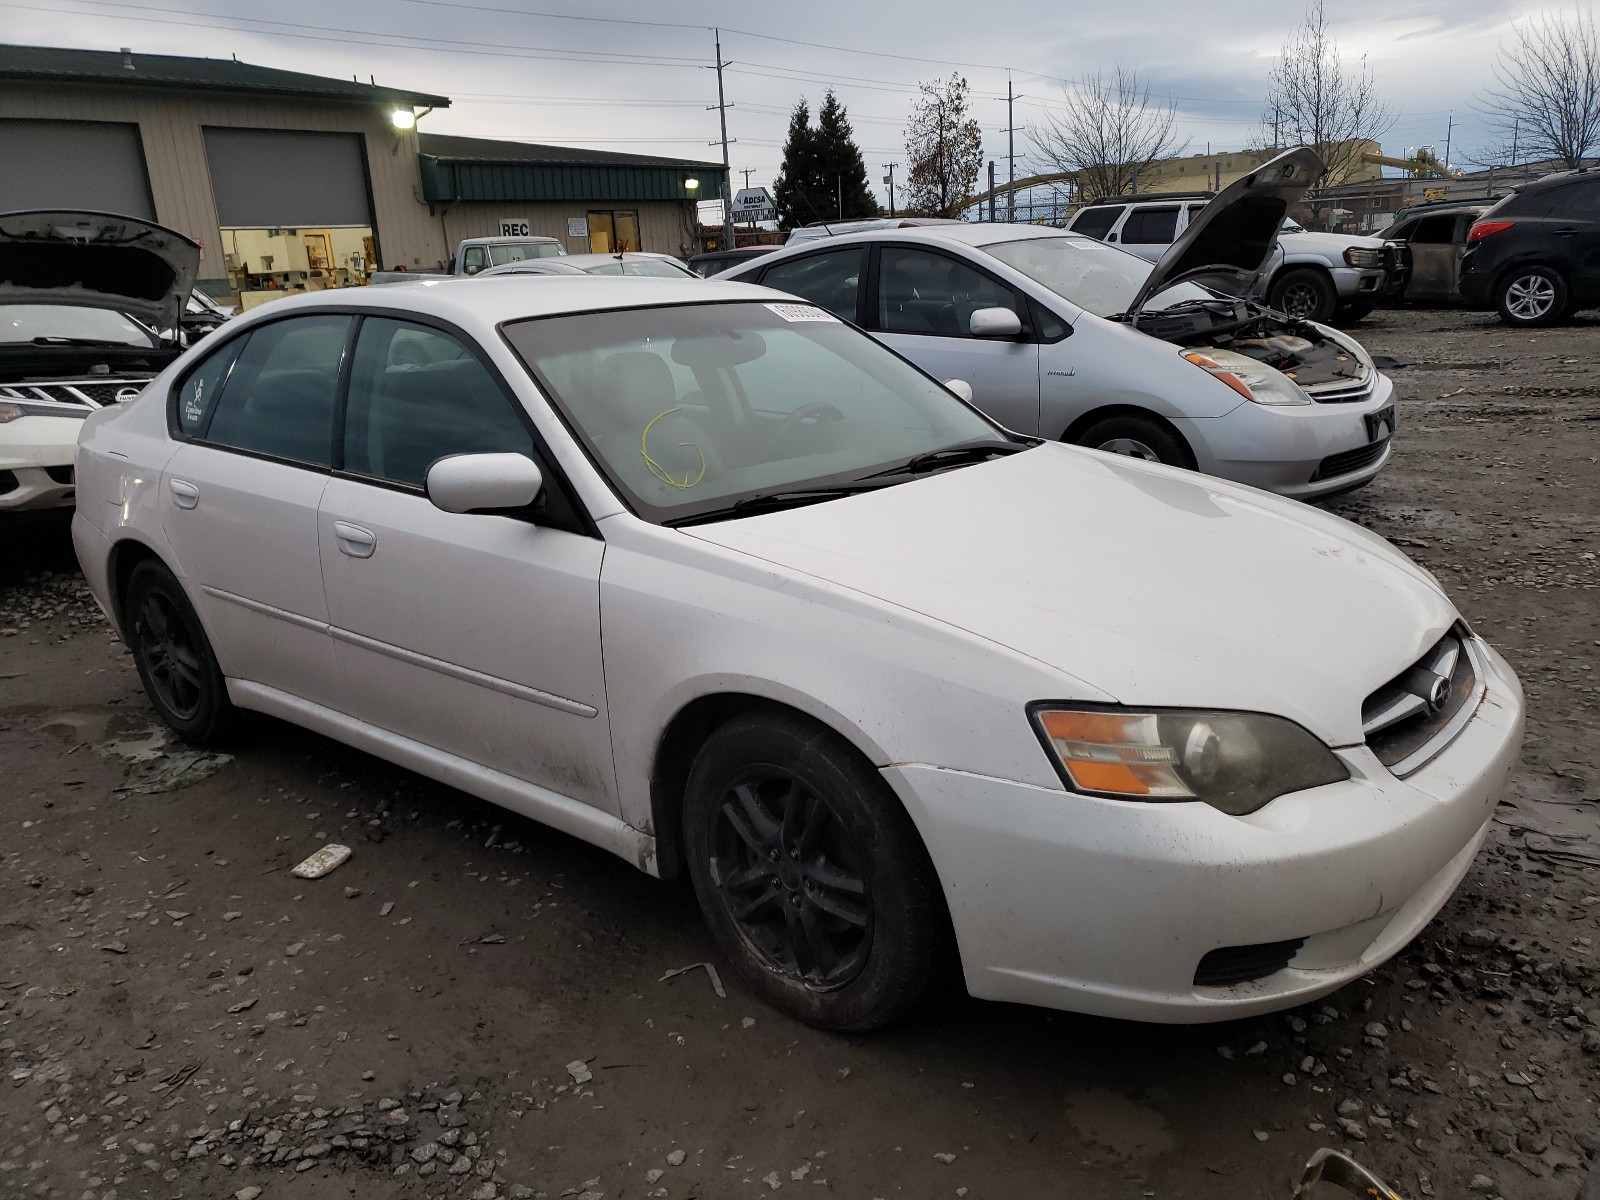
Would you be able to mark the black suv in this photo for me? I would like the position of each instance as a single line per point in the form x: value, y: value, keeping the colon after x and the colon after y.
x: 1535, y: 256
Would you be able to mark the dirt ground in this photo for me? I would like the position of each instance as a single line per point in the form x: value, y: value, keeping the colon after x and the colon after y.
x: 475, y: 1006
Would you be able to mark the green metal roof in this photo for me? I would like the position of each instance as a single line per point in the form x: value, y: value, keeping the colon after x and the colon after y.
x: 58, y: 64
x: 463, y: 168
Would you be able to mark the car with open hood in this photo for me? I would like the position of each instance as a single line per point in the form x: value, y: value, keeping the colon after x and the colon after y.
x: 92, y: 306
x: 705, y: 576
x: 1071, y: 339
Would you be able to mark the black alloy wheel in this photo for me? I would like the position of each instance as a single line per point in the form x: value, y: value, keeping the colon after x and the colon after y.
x: 174, y: 659
x: 810, y: 874
x: 788, y: 873
x: 1304, y: 293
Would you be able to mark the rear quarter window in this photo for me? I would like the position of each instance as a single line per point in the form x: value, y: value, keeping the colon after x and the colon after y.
x: 197, y: 394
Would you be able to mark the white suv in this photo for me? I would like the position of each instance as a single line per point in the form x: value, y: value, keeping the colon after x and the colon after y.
x: 1314, y: 276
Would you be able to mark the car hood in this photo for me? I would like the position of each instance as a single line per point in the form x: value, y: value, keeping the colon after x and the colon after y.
x: 1230, y: 241
x: 1144, y: 583
x: 97, y: 260
x: 1311, y: 240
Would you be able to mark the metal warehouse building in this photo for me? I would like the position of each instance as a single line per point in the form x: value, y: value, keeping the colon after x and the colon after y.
x: 295, y: 181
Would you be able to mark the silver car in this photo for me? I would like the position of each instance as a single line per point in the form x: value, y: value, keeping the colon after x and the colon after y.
x: 1065, y: 337
x: 631, y: 262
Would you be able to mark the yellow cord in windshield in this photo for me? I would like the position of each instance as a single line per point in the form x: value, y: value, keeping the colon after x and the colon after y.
x: 657, y: 469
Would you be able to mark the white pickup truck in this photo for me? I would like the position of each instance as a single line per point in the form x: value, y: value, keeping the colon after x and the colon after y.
x: 480, y: 253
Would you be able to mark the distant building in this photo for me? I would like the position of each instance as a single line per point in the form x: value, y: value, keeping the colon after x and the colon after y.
x: 294, y: 181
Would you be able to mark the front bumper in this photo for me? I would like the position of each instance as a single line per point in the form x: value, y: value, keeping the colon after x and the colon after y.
x: 1301, y: 451
x: 1358, y: 285
x: 1107, y: 907
x: 36, y: 462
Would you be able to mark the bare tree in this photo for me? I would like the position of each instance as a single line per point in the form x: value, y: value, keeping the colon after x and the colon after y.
x: 1314, y: 100
x: 944, y: 149
x: 1547, y: 102
x: 1109, y: 133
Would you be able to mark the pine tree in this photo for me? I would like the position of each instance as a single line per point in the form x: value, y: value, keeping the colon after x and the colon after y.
x: 842, y: 173
x: 793, y: 191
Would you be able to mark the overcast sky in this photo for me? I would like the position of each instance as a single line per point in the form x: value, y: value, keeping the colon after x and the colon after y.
x: 517, y: 69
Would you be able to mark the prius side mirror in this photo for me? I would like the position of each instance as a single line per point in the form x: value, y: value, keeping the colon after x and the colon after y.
x: 995, y: 323
x: 467, y: 483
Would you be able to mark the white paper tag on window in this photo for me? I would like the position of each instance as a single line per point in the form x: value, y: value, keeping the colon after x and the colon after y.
x: 802, y: 312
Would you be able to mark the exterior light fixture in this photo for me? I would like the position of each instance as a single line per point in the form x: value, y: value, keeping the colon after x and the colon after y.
x: 403, y: 118
x: 691, y: 184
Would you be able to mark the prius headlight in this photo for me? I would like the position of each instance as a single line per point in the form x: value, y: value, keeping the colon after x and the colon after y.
x: 1252, y: 379
x: 1235, y: 762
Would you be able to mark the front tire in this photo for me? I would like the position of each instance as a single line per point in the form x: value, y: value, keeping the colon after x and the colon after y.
x: 1305, y: 294
x: 1137, y: 437
x: 811, y: 876
x: 1530, y: 297
x: 174, y: 658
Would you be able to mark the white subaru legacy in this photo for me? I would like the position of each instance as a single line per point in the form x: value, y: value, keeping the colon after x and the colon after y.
x: 707, y: 577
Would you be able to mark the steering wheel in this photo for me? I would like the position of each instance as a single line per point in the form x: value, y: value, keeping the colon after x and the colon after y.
x: 818, y: 411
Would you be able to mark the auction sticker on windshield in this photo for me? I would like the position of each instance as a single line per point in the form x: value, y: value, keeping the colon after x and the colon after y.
x: 802, y: 312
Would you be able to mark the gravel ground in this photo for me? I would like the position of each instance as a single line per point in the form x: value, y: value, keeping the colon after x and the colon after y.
x: 475, y: 1006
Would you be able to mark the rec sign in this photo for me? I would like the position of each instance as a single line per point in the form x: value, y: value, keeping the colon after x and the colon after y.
x: 516, y: 227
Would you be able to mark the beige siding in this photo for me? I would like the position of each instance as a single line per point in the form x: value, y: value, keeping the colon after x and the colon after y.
x: 665, y: 226
x: 170, y: 125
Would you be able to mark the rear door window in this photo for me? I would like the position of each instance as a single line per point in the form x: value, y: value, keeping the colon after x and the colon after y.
x: 1432, y: 231
x: 1151, y: 226
x: 278, y: 399
x: 831, y: 280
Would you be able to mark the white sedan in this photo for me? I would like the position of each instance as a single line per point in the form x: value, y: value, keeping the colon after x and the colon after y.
x: 711, y: 579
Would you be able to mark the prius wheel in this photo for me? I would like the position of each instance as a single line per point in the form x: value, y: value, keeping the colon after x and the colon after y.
x: 1137, y: 437
x: 179, y: 672
x: 1532, y: 296
x: 810, y: 874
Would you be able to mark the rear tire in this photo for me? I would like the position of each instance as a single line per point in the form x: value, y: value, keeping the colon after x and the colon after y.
x: 1531, y: 297
x: 810, y: 874
x: 1304, y: 293
x: 174, y: 658
x: 1138, y: 437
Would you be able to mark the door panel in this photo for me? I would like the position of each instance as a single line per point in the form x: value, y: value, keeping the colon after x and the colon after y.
x: 244, y: 532
x: 922, y: 306
x: 475, y: 634
x: 478, y: 635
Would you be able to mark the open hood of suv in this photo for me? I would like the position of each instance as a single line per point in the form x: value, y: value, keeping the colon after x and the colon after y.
x: 97, y: 260
x: 1231, y: 240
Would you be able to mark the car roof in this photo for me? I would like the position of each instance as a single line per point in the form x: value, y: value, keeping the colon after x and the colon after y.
x: 579, y: 260
x: 481, y: 300
x: 965, y: 233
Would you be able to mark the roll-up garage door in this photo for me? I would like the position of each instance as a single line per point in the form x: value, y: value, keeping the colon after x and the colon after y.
x: 265, y: 178
x: 94, y: 165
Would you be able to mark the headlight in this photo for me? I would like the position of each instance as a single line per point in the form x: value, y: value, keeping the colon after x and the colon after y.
x: 1235, y: 762
x: 1252, y: 379
x: 9, y: 413
x: 1363, y: 256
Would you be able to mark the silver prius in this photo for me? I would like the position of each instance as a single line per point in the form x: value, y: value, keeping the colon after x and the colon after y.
x: 1068, y: 338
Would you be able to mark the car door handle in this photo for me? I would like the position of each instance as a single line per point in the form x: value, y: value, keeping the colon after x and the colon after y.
x: 184, y: 493
x: 1565, y: 232
x: 354, y: 540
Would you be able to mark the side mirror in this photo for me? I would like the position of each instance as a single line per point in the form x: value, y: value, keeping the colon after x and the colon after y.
x: 465, y: 483
x: 995, y: 323
x: 960, y: 387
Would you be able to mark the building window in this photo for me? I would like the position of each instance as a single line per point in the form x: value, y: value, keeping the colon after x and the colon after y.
x: 1377, y: 202
x: 613, y: 232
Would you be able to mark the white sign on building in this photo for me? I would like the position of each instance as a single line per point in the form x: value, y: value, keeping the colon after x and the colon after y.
x: 753, y: 204
x: 515, y: 227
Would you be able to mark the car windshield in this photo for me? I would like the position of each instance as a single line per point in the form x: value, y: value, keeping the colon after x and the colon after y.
x: 661, y: 268
x: 689, y: 409
x: 501, y: 253
x: 1093, y: 276
x: 1290, y: 225
x: 69, y: 323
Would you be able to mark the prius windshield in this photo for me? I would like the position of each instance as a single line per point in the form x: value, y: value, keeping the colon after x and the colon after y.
x: 692, y: 409
x: 1094, y: 276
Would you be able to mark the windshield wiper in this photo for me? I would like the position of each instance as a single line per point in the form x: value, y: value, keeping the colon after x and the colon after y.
x: 950, y: 456
x: 86, y: 343
x: 775, y: 501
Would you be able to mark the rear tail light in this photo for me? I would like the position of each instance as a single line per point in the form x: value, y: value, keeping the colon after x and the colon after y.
x: 1483, y: 229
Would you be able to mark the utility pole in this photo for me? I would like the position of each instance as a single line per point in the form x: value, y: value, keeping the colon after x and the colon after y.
x: 889, y: 179
x: 1275, y: 143
x: 1450, y: 128
x: 747, y: 173
x: 991, y: 193
x: 1011, y: 153
x: 1516, y: 127
x: 722, y: 107
x: 838, y: 184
